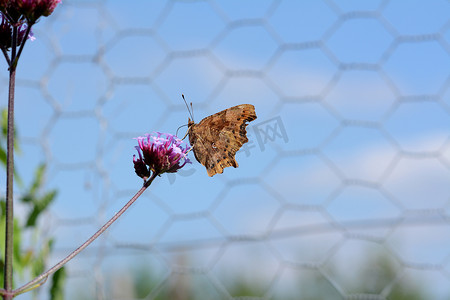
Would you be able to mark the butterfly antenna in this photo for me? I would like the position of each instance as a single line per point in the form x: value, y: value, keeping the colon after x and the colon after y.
x: 192, y: 112
x: 187, y: 106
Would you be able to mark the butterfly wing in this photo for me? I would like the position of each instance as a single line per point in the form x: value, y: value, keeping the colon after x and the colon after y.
x: 217, y: 138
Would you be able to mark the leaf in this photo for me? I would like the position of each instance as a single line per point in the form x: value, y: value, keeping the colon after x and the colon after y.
x: 18, y: 262
x: 38, y: 178
x: 3, y: 161
x: 57, y: 285
x: 3, y: 207
x: 3, y: 156
x: 39, y: 206
x: 4, y: 124
x: 38, y: 264
x: 17, y: 241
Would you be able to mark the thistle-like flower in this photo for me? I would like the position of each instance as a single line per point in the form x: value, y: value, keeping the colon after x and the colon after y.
x: 33, y: 9
x: 159, y: 153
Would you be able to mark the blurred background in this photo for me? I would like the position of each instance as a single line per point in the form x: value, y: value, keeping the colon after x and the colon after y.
x: 342, y: 192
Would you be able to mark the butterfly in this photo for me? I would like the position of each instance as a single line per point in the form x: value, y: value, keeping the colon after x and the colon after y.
x: 216, y: 139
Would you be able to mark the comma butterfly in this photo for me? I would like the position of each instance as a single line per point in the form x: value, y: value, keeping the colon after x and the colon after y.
x: 217, y: 138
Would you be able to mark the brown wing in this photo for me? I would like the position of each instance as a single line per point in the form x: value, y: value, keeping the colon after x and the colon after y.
x: 217, y: 138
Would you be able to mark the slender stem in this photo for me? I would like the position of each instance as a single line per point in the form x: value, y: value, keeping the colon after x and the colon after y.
x: 9, y: 226
x: 43, y: 276
x: 22, y: 44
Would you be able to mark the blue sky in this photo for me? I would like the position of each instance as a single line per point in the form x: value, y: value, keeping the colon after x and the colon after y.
x: 360, y: 87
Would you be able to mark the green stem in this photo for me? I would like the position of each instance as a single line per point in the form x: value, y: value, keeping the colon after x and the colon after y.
x: 9, y: 226
x: 39, y: 279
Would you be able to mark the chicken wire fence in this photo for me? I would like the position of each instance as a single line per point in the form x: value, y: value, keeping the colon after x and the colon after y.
x: 342, y: 191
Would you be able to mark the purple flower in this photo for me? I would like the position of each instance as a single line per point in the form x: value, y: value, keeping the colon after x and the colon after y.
x: 33, y: 9
x: 159, y: 153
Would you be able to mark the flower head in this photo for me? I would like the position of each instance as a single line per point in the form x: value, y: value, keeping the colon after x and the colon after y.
x: 34, y: 9
x: 159, y: 153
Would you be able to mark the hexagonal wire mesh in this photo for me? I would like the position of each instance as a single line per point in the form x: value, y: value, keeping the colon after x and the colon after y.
x: 342, y: 191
